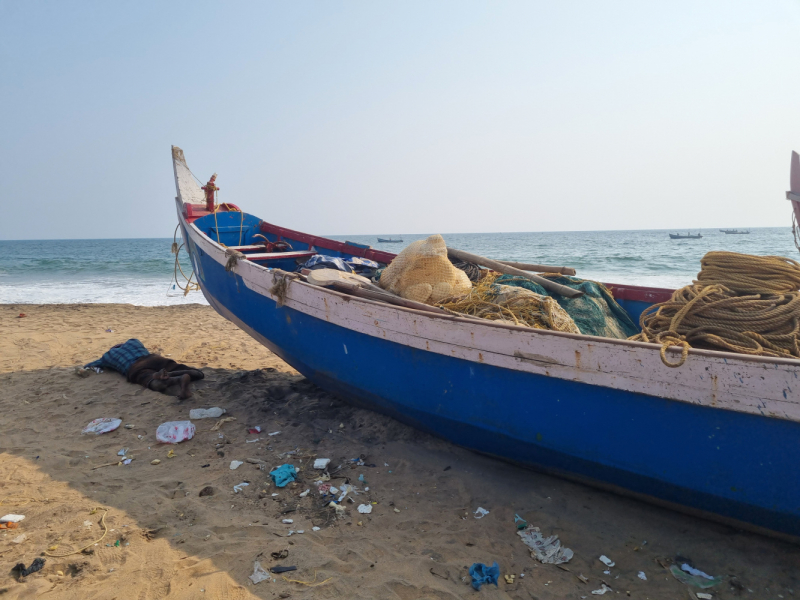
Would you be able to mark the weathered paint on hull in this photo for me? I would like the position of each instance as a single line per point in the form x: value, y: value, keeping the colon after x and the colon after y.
x: 732, y: 464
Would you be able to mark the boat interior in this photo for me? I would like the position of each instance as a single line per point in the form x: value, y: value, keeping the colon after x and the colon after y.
x: 276, y: 247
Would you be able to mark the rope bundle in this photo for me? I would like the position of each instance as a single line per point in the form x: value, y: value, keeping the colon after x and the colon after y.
x: 739, y: 303
x: 745, y: 273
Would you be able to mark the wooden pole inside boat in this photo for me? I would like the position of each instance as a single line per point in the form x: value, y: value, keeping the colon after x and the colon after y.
x: 551, y: 286
x: 538, y: 268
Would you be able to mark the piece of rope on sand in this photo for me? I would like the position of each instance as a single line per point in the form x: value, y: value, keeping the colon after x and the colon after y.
x: 312, y: 583
x: 105, y: 531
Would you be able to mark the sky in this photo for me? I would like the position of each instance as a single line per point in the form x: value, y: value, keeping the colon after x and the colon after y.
x: 399, y: 117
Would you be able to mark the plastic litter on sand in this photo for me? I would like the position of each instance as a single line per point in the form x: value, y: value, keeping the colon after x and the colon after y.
x: 642, y: 576
x: 322, y: 463
x: 11, y: 518
x: 103, y: 425
x: 691, y: 576
x: 365, y: 509
x: 238, y: 488
x: 704, y: 596
x: 603, y: 589
x: 607, y: 561
x: 545, y: 550
x: 235, y: 464
x: 259, y: 574
x: 480, y: 513
x: 481, y: 574
x: 206, y: 413
x: 174, y: 432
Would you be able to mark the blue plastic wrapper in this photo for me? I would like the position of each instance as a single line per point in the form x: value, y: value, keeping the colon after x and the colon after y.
x: 481, y: 574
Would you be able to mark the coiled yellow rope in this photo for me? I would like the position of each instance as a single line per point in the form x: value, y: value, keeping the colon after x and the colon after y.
x: 739, y: 303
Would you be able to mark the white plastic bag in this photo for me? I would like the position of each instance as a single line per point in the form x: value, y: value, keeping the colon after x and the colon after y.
x: 103, y: 425
x: 174, y: 432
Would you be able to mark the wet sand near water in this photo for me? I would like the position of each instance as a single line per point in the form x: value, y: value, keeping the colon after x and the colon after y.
x: 417, y: 543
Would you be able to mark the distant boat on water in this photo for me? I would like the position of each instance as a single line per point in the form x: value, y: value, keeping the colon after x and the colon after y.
x: 389, y: 241
x: 688, y: 236
x: 735, y: 232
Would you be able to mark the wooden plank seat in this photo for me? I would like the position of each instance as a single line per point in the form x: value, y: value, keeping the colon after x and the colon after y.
x: 278, y: 255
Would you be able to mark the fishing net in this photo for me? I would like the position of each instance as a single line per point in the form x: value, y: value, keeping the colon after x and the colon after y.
x: 510, y: 304
x: 422, y: 272
x: 594, y: 313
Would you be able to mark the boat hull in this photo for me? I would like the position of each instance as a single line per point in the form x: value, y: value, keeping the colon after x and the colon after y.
x: 733, y: 465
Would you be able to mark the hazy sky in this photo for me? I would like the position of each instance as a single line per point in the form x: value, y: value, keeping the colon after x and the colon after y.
x: 399, y: 117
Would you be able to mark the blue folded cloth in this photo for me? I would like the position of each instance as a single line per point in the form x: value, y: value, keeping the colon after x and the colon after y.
x: 283, y: 475
x: 481, y: 574
x: 121, y: 357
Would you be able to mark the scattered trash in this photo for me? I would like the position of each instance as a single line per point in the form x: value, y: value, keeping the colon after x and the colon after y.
x: 130, y: 426
x: 509, y: 578
x: 259, y: 574
x: 288, y: 521
x: 704, y: 596
x: 361, y: 478
x: 304, y: 494
x: 252, y: 441
x: 479, y: 514
x: 274, y: 433
x: 583, y: 578
x: 691, y: 576
x: 255, y: 429
x: 340, y: 510
x: 607, y: 561
x: 603, y: 589
x: 21, y: 315
x: 207, y: 491
x: 103, y: 425
x: 127, y: 461
x: 174, y: 432
x: 279, y: 554
x: 9, y: 525
x: 545, y: 550
x: 283, y: 475
x: 20, y: 538
x: 235, y: 464
x: 365, y: 509
x: 12, y: 518
x: 221, y: 422
x: 238, y: 488
x: 123, y: 452
x: 315, y: 528
x: 206, y: 413
x: 155, y: 461
x: 642, y: 576
x: 397, y: 510
x: 520, y: 522
x: 279, y: 569
x: 321, y: 463
x: 171, y: 453
x: 36, y: 565
x: 481, y: 574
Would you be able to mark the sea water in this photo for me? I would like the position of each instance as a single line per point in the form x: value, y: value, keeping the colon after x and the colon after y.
x: 140, y: 271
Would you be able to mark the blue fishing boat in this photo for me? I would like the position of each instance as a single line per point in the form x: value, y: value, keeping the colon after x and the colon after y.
x: 717, y: 436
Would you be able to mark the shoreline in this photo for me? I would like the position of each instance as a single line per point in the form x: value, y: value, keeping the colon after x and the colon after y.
x: 417, y: 542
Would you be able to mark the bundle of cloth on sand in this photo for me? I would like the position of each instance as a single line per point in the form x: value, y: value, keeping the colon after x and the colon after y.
x: 153, y: 371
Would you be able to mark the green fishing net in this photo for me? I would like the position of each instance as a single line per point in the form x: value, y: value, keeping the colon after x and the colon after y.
x: 595, y: 313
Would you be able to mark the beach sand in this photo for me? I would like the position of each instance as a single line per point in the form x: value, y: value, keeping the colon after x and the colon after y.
x: 418, y: 541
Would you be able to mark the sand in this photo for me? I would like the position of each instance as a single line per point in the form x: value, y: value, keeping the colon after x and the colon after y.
x: 418, y: 541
